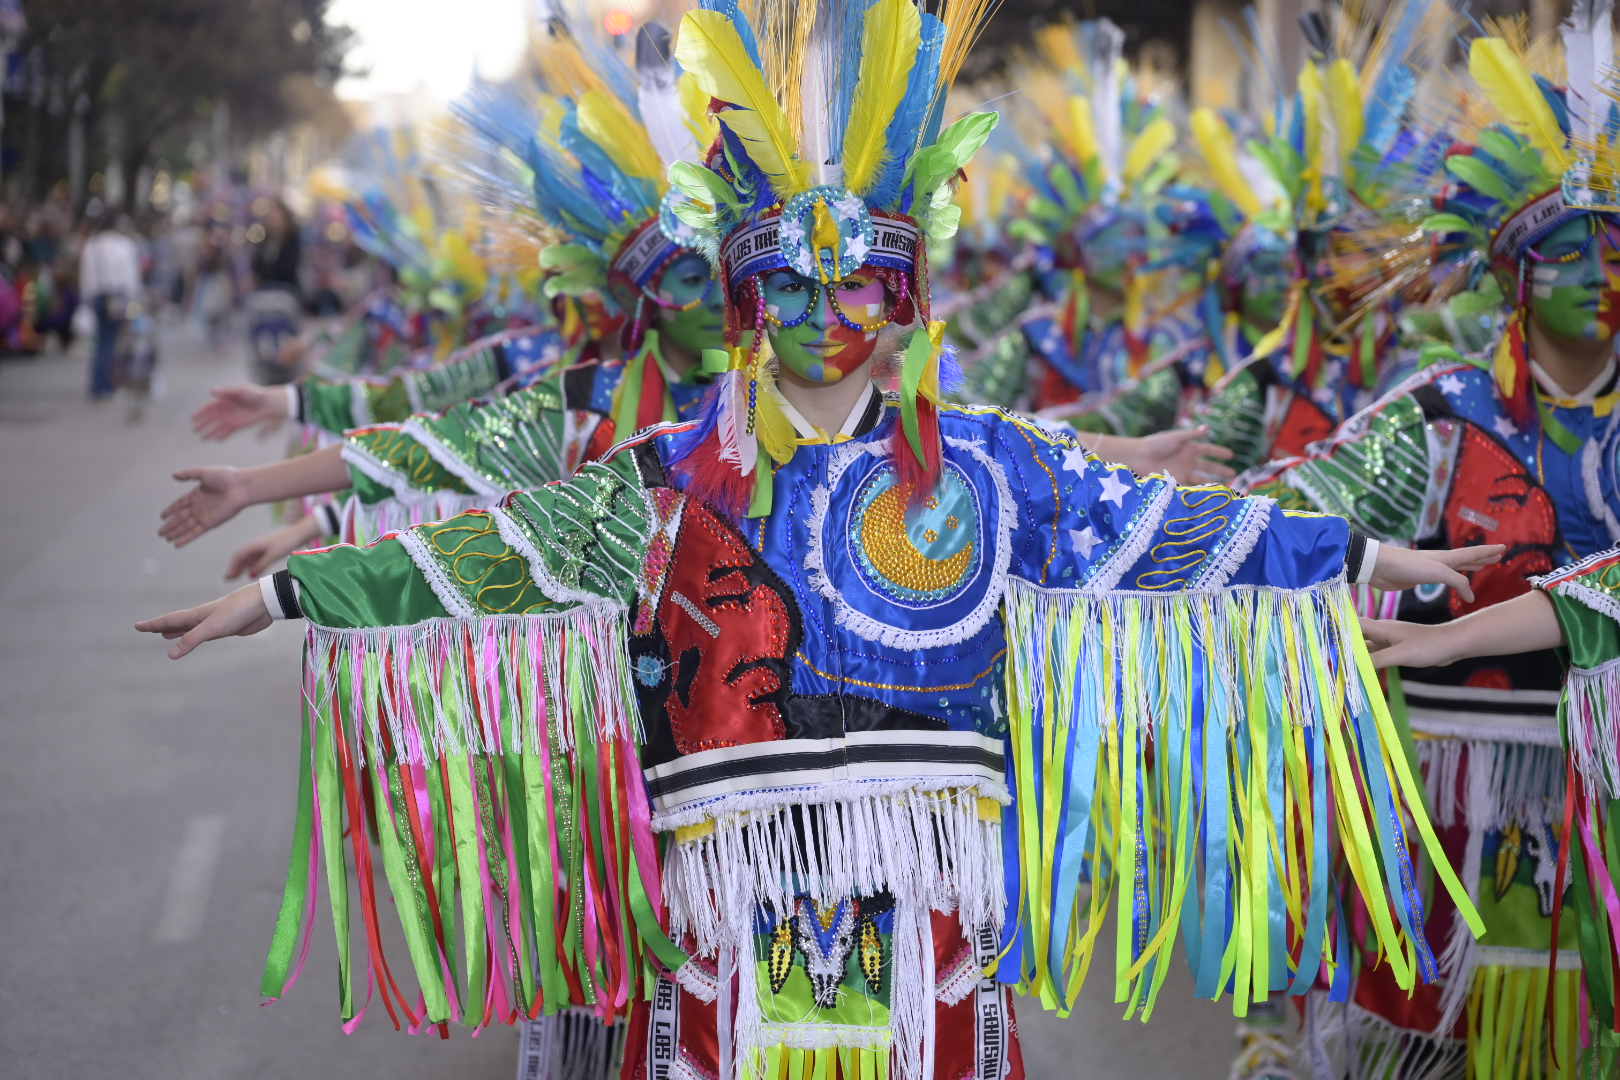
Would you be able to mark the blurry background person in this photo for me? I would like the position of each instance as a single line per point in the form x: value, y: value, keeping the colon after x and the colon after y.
x: 274, y: 306
x: 110, y: 280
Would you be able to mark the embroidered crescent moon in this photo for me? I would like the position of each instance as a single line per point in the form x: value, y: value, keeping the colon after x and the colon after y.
x: 887, y: 543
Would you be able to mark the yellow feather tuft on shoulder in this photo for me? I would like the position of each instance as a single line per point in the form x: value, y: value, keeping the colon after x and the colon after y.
x: 889, y: 42
x: 709, y: 47
x: 1148, y: 147
x: 607, y: 123
x: 1511, y: 88
x: 1219, y: 148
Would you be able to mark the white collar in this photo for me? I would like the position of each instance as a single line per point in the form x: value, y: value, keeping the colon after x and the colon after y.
x: 807, y: 430
x: 1586, y: 395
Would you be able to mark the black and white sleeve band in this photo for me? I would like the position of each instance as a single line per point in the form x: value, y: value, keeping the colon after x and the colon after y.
x: 295, y: 401
x: 1360, y: 558
x: 280, y: 594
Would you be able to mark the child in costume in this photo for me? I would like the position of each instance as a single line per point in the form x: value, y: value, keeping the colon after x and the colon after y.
x: 1514, y: 447
x: 784, y: 725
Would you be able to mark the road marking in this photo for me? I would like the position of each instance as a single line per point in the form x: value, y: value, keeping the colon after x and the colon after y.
x: 192, y: 879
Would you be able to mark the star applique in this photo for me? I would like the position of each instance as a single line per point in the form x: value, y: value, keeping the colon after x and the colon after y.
x: 1505, y: 427
x: 856, y: 248
x: 1074, y: 460
x: 1450, y: 384
x: 1114, y: 489
x: 1084, y: 540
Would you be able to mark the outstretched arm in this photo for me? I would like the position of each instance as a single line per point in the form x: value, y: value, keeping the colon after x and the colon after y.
x: 1186, y: 454
x: 1524, y: 624
x: 258, y: 556
x: 222, y: 492
x: 232, y: 408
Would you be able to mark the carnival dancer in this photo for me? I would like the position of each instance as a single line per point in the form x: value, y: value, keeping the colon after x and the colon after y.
x: 1515, y: 447
x: 629, y: 253
x: 797, y: 716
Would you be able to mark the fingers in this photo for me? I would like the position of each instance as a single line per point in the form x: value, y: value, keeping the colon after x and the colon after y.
x: 242, y: 563
x: 1456, y: 581
x: 1473, y: 558
x: 1388, y: 657
x: 175, y: 622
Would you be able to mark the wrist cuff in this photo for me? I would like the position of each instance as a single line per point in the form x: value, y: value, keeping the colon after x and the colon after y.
x: 1360, y: 559
x: 280, y: 594
x: 295, y: 402
x: 327, y: 514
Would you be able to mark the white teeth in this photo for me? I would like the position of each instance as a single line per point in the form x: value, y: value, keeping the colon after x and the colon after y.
x: 1540, y: 291
x: 1546, y: 274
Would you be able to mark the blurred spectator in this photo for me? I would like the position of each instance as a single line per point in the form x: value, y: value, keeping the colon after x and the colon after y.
x: 110, y: 278
x: 274, y: 306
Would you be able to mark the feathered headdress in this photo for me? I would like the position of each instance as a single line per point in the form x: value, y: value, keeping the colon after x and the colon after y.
x: 833, y: 156
x: 1108, y: 130
x: 1525, y: 155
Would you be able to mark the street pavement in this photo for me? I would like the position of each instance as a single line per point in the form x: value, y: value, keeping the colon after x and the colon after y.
x: 145, y: 804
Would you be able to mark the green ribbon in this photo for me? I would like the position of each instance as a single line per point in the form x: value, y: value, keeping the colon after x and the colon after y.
x: 1567, y: 440
x: 284, y: 941
x: 1303, y: 333
x: 919, y: 352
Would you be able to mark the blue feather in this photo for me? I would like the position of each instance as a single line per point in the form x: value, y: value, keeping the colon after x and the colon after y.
x: 1555, y: 100
x: 1384, y: 109
x: 900, y: 139
x: 628, y: 195
x: 745, y: 29
x: 1394, y: 82
x: 848, y: 61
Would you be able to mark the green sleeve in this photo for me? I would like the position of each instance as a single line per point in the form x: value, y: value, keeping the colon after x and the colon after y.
x: 1375, y: 472
x: 477, y: 447
x: 579, y: 541
x: 1143, y: 406
x: 1234, y: 412
x: 1586, y: 597
x: 336, y: 405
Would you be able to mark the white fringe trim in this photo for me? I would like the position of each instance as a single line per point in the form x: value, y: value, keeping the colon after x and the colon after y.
x: 439, y: 648
x: 1592, y: 707
x: 452, y: 462
x: 931, y: 849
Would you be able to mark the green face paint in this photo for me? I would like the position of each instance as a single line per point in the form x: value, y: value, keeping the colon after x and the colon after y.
x: 820, y: 348
x: 1266, y: 276
x: 694, y: 319
x: 1573, y: 280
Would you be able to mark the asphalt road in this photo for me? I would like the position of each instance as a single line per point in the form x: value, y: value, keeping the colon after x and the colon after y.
x: 146, y: 804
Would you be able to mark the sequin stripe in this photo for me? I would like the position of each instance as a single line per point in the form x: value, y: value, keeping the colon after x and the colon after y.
x: 1267, y: 689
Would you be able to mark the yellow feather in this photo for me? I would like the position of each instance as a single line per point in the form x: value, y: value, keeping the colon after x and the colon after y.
x: 709, y: 47
x: 1310, y: 96
x: 1147, y: 147
x: 889, y: 44
x: 1082, y: 133
x: 607, y: 123
x: 695, y: 107
x: 1510, y: 87
x: 1344, y: 99
x: 1219, y: 148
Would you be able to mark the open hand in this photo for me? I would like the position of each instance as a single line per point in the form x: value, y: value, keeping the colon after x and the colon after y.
x: 220, y: 494
x: 1185, y: 455
x: 256, y: 558
x: 233, y: 408
x: 1402, y: 568
x: 236, y: 614
x: 1405, y: 644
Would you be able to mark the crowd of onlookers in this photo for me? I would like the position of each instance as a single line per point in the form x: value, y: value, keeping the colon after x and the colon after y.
x: 109, y: 278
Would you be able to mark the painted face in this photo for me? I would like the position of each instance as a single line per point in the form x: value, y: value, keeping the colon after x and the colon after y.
x: 1265, y: 276
x: 1108, y: 249
x: 694, y: 319
x: 821, y: 349
x: 1574, y: 279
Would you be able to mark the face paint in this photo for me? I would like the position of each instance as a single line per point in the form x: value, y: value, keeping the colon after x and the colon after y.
x: 1573, y: 280
x: 814, y: 344
x: 1264, y: 279
x: 1109, y: 249
x: 695, y: 317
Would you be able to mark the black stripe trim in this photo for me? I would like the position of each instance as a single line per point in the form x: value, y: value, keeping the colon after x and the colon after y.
x: 1419, y: 700
x: 1355, y: 555
x: 503, y: 366
x: 286, y: 595
x: 812, y: 760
